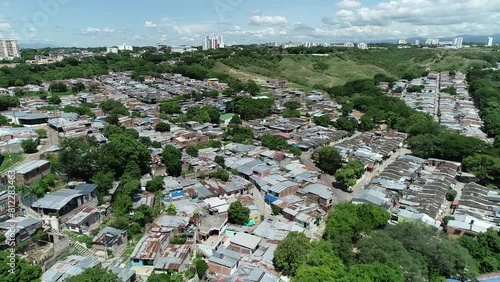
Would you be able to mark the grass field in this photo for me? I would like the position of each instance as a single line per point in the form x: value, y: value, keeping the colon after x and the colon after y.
x: 11, y: 160
x: 303, y: 72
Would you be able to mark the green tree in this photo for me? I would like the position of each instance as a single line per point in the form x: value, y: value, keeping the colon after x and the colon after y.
x: 237, y: 213
x: 155, y: 184
x: 328, y: 159
x: 78, y: 87
x: 235, y: 120
x: 221, y: 174
x: 220, y: 161
x: 171, y: 158
x: 104, y: 181
x: 112, y: 119
x: 170, y: 107
x: 252, y: 88
x: 94, y: 274
x: 165, y: 277
x: 192, y: 151
x: 114, y: 107
x: 171, y: 210
x: 78, y: 157
x: 7, y: 102
x: 23, y: 271
x: 201, y: 267
x: 366, y: 123
x: 54, y: 100
x: 274, y: 142
x: 42, y: 133
x: 451, y: 194
x: 162, y: 127
x: 323, y: 120
x: 29, y: 146
x: 291, y: 252
x: 58, y: 87
x: 347, y: 124
x: 292, y: 105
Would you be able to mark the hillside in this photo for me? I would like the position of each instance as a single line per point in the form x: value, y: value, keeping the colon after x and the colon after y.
x: 347, y: 65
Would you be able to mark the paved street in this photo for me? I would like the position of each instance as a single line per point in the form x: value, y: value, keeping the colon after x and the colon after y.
x: 52, y: 139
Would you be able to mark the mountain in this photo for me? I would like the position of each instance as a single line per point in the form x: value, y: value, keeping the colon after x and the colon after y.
x: 35, y: 45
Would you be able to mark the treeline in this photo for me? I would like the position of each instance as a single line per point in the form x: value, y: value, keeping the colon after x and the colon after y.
x: 358, y: 245
x: 484, y: 87
x: 428, y: 139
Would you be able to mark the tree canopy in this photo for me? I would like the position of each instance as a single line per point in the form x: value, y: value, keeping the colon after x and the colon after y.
x: 328, y: 159
x: 237, y: 213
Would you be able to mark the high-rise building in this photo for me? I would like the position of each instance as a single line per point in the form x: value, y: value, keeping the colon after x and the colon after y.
x: 125, y: 47
x: 416, y: 42
x: 402, y: 41
x: 9, y: 50
x: 490, y: 41
x: 458, y: 42
x: 349, y: 44
x: 212, y: 42
x: 362, y: 46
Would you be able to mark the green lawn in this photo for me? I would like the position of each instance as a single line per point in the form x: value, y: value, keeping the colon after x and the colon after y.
x: 11, y: 160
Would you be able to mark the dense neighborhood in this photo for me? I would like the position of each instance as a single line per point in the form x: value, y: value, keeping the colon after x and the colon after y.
x: 173, y: 177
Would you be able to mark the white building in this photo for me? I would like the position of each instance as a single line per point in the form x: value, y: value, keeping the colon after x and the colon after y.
x: 362, y: 46
x: 458, y: 42
x: 182, y: 49
x: 212, y: 42
x: 9, y: 50
x: 113, y: 50
x: 402, y: 41
x: 349, y: 44
x: 432, y: 41
x: 125, y: 47
x: 490, y: 41
x: 416, y: 42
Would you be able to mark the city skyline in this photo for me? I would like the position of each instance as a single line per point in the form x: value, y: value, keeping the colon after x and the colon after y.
x: 67, y: 22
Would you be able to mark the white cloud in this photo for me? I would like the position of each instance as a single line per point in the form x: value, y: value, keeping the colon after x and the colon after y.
x: 393, y: 18
x: 5, y: 4
x: 267, y: 20
x: 94, y: 30
x: 150, y: 24
x: 5, y: 25
x: 348, y: 4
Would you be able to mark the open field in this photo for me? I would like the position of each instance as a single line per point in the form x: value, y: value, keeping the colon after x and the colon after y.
x: 306, y: 71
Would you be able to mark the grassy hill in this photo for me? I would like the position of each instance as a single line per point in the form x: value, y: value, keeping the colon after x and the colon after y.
x: 347, y: 65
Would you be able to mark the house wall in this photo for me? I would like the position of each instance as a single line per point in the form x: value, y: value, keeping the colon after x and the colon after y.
x: 457, y: 232
x: 240, y: 249
x: 33, y: 175
x: 289, y: 191
x: 217, y: 268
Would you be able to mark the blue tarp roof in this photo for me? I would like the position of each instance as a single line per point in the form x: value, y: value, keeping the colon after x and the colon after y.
x: 270, y: 198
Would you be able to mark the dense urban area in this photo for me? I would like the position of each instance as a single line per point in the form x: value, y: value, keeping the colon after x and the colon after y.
x: 256, y: 163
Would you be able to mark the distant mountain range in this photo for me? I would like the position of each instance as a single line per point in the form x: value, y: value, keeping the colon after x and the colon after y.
x: 35, y: 45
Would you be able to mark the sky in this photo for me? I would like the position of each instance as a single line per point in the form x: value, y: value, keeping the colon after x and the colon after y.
x: 86, y: 23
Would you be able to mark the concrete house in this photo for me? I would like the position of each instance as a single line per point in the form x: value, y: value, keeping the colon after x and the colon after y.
x: 244, y: 243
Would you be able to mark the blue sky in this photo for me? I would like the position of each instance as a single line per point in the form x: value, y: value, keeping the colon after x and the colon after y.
x: 147, y: 22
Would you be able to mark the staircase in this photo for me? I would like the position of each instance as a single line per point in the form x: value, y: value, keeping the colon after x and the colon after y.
x: 29, y: 212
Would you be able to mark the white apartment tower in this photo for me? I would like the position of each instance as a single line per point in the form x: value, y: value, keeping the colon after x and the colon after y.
x: 212, y: 42
x: 490, y: 41
x: 9, y: 50
x: 402, y: 41
x: 362, y: 46
x: 458, y: 42
x: 125, y: 47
